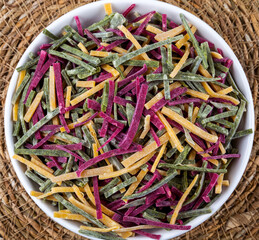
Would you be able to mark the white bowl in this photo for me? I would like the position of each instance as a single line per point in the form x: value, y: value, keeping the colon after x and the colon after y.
x: 93, y: 12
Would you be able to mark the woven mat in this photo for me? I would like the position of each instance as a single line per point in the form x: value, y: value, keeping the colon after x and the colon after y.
x: 237, y: 21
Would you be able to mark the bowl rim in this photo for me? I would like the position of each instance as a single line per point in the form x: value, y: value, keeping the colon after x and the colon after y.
x: 8, y: 124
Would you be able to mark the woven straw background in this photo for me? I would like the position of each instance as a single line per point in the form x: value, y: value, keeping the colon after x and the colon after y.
x: 237, y: 21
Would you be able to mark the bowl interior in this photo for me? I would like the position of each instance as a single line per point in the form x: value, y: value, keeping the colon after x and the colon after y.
x: 93, y: 12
